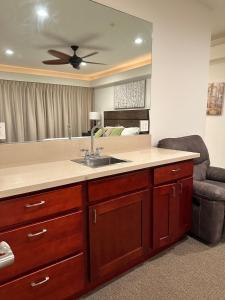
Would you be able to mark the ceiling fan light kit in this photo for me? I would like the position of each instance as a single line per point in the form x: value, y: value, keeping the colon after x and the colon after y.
x: 75, y: 60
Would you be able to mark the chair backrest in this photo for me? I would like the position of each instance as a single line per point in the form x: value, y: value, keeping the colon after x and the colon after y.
x: 192, y: 143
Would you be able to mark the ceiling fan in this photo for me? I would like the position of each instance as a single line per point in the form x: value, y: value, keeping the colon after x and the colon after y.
x: 74, y: 60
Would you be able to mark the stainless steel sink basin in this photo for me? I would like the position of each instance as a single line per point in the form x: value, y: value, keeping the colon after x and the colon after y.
x: 95, y: 162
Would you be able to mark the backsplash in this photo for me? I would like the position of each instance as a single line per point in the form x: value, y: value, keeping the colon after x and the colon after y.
x: 38, y: 152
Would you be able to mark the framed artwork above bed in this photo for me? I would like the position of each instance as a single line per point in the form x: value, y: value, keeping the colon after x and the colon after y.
x: 130, y: 95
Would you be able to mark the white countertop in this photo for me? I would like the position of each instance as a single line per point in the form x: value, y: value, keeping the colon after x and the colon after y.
x: 30, y: 178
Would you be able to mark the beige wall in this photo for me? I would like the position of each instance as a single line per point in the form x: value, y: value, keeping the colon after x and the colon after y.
x: 181, y: 42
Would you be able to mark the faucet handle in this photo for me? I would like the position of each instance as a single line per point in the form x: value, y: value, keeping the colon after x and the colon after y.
x: 98, y: 149
x: 85, y: 151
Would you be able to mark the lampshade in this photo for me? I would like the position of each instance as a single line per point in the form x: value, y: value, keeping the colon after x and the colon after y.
x: 94, y: 115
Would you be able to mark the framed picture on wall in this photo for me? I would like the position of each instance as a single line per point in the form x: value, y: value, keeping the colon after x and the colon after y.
x: 216, y: 92
x: 130, y: 95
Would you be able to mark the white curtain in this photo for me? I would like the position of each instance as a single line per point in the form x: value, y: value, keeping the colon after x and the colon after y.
x: 36, y: 111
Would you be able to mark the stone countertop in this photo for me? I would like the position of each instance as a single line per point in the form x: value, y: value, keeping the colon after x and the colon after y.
x: 29, y: 178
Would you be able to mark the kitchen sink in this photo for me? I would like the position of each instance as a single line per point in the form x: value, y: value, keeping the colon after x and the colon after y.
x: 95, y: 162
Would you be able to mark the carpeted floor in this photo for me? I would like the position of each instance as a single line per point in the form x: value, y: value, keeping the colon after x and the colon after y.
x: 189, y: 270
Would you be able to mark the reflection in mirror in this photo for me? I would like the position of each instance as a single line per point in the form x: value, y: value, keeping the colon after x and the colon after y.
x: 61, y: 74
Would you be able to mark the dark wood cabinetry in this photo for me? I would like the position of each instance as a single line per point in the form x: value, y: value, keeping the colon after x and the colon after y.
x: 118, y: 233
x: 59, y: 281
x: 163, y: 204
x: 172, y: 203
x: 43, y: 243
x: 46, y: 234
x: 184, y: 206
x: 65, y: 245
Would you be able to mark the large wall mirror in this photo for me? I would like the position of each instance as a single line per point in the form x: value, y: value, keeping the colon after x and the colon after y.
x: 67, y: 65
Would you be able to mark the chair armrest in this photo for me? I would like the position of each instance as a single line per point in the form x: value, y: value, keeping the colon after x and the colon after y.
x: 208, y: 191
x: 216, y: 174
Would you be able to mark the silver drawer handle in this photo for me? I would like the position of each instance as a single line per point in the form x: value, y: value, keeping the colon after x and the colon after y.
x: 6, y: 255
x: 35, y: 284
x: 30, y: 235
x: 176, y: 170
x: 35, y: 204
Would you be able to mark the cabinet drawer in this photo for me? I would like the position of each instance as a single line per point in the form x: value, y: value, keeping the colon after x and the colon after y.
x: 43, y: 243
x: 59, y: 281
x: 24, y: 209
x: 173, y: 172
x: 117, y: 185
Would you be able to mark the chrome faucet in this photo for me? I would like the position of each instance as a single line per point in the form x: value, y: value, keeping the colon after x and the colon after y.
x: 93, y: 153
x: 98, y: 126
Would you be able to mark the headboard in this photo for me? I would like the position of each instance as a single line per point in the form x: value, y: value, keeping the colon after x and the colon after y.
x: 126, y: 118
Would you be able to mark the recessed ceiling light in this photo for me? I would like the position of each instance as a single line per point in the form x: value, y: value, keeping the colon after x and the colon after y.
x: 138, y: 41
x: 9, y: 52
x: 83, y: 63
x: 42, y: 12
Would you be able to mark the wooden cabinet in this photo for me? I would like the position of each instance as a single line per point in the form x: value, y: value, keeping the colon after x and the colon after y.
x: 118, y: 233
x: 59, y: 281
x: 42, y: 243
x: 184, y: 206
x: 30, y: 208
x: 172, y: 204
x: 113, y: 186
x: 173, y: 172
x: 46, y: 234
x: 163, y: 214
x: 60, y: 254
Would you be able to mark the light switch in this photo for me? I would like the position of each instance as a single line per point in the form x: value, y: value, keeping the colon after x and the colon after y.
x: 144, y: 125
x: 2, y: 131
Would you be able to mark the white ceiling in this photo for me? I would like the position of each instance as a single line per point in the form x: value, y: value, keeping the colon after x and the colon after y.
x: 218, y: 16
x: 82, y: 22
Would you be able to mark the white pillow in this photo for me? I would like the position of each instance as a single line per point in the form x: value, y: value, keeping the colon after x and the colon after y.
x: 131, y: 131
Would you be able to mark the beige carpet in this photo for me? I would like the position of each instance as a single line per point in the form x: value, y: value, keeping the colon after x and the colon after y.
x: 189, y: 270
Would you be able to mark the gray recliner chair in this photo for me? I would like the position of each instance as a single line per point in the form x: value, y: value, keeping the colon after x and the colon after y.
x: 208, y: 192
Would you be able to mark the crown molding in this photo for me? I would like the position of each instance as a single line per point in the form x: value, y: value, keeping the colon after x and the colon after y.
x: 132, y: 64
x: 42, y: 72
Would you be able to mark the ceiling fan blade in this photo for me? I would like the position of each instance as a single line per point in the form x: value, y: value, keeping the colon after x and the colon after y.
x: 93, y: 53
x: 94, y: 63
x: 55, y: 62
x: 59, y: 54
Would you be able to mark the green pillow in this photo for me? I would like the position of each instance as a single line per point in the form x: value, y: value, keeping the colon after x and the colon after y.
x: 99, y: 133
x: 116, y: 131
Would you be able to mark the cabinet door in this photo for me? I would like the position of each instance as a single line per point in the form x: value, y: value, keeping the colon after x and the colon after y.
x: 184, y: 206
x: 119, y: 233
x: 164, y: 210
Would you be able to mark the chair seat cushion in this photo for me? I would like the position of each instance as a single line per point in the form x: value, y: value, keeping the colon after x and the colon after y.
x: 209, y: 190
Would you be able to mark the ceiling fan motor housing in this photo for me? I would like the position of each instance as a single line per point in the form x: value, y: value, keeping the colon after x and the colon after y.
x: 75, y: 61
